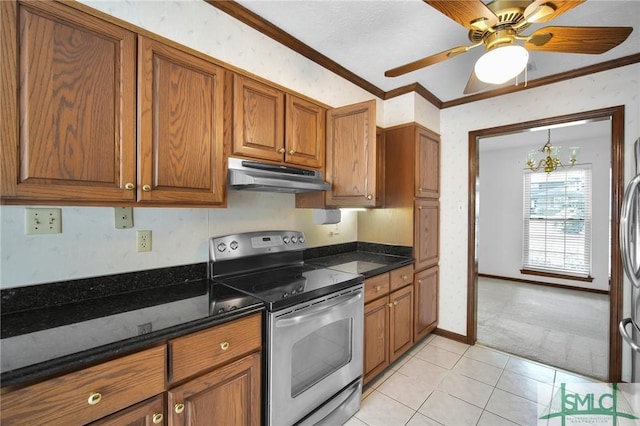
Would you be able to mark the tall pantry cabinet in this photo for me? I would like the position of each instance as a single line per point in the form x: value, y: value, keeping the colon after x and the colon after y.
x: 412, y: 180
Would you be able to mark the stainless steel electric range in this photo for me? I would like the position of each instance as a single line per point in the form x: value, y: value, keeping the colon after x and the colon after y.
x: 313, y: 325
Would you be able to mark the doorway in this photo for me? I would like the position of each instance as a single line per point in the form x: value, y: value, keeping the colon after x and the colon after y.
x: 614, y: 116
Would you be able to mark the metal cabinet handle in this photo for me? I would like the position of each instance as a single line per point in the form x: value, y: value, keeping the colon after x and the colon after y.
x: 157, y: 418
x: 281, y: 150
x: 369, y: 197
x: 94, y: 398
x: 129, y: 186
x: 178, y: 408
x: 146, y: 188
x: 292, y: 152
x: 224, y: 346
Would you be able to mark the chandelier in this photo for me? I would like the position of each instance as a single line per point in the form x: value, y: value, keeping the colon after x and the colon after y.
x: 551, y: 160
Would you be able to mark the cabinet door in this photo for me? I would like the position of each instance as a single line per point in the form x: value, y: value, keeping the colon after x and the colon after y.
x: 352, y: 153
x: 426, y: 302
x: 376, y: 338
x: 305, y: 133
x: 427, y: 180
x: 229, y: 396
x: 149, y: 412
x: 427, y: 236
x: 181, y: 119
x: 258, y: 117
x: 400, y: 322
x: 67, y: 91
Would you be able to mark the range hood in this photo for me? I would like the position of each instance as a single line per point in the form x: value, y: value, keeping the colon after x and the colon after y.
x: 250, y: 175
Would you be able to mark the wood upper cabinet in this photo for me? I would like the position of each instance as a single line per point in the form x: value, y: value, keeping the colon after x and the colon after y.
x: 181, y: 123
x: 67, y: 90
x: 426, y: 302
x: 272, y: 125
x: 427, y: 233
x: 229, y: 395
x: 352, y: 163
x: 427, y: 167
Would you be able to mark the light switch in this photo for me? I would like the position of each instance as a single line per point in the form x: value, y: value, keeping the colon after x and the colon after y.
x: 42, y: 221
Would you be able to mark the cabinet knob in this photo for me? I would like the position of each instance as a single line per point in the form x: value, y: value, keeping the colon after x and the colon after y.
x: 224, y: 346
x: 292, y: 152
x: 146, y: 188
x: 378, y: 287
x: 129, y: 186
x: 390, y: 305
x: 404, y: 277
x: 178, y: 408
x: 94, y: 398
x: 419, y: 281
x: 369, y: 197
x: 395, y: 302
x: 420, y: 189
x: 157, y: 418
x: 419, y: 207
x: 281, y: 150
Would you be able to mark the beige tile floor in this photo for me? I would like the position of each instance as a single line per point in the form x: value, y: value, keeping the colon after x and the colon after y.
x: 445, y: 382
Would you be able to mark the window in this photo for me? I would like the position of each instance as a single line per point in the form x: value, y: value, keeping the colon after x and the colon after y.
x: 557, y: 222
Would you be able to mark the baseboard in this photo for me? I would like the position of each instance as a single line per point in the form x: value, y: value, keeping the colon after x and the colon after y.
x: 521, y: 280
x: 453, y: 336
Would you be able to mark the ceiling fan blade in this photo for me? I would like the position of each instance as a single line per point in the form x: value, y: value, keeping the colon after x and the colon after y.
x: 429, y: 60
x: 589, y: 40
x: 543, y: 10
x: 474, y: 84
x: 471, y: 14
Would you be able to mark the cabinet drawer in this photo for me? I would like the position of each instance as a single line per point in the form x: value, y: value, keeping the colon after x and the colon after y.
x: 375, y: 287
x: 65, y: 400
x: 200, y: 351
x: 401, y: 277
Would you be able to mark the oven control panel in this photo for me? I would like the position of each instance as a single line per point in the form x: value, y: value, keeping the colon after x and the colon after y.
x: 254, y: 243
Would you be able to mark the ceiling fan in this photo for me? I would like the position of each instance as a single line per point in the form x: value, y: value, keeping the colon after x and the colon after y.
x: 498, y: 26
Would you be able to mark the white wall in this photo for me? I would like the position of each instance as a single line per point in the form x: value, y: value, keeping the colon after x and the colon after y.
x: 500, y: 230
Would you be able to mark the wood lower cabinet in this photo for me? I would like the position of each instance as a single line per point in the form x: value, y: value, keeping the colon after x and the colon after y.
x: 426, y: 302
x: 89, y: 394
x: 147, y: 413
x: 229, y: 395
x: 270, y: 124
x: 388, y: 323
x: 67, y: 90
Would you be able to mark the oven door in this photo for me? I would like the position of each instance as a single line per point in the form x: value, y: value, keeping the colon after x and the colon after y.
x: 315, y: 350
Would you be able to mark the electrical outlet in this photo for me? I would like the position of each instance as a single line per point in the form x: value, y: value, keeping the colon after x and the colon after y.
x: 123, y: 217
x: 144, y: 240
x: 144, y: 328
x: 42, y: 221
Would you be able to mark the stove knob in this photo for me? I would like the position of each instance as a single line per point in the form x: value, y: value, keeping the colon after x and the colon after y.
x: 233, y: 308
x: 286, y: 240
x: 221, y: 311
x: 285, y: 295
x: 294, y: 239
x: 301, y: 239
x: 233, y: 245
x: 222, y: 247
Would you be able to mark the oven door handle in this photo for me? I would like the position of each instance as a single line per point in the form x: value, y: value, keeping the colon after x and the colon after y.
x: 309, y: 314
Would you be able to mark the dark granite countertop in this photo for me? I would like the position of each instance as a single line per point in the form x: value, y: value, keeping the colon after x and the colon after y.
x: 368, y: 259
x: 55, y: 328
x: 44, y: 341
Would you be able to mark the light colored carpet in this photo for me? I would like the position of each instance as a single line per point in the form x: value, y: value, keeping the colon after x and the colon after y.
x: 567, y: 329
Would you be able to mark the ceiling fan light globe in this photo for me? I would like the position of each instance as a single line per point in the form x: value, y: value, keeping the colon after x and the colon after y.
x: 501, y: 64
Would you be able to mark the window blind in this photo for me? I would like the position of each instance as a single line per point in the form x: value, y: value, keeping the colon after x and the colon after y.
x: 557, y: 221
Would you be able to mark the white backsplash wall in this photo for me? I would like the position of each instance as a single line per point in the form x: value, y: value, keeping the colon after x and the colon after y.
x: 91, y: 246
x: 620, y: 86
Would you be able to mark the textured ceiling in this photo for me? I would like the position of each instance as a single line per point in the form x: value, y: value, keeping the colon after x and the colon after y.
x: 368, y: 37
